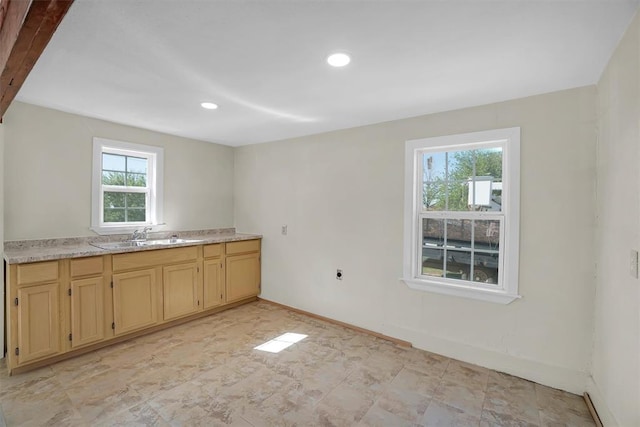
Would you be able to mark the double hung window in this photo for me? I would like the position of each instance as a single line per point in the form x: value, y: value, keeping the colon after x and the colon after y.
x: 461, y: 214
x: 127, y: 186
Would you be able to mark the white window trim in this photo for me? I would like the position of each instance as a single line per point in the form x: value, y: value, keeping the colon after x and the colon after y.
x: 508, y: 289
x: 155, y: 173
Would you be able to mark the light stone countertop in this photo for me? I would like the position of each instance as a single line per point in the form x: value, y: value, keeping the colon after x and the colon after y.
x: 24, y: 251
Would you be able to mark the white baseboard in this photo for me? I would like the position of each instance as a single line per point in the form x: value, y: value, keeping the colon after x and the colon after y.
x: 553, y: 376
x: 604, y: 413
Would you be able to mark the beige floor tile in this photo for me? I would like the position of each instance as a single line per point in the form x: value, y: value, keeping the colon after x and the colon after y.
x: 559, y: 408
x: 139, y: 415
x: 207, y: 373
x: 27, y: 380
x: 439, y: 414
x: 511, y: 398
x: 99, y: 397
x: 180, y: 405
x: 79, y: 368
x: 48, y: 407
x: 278, y: 410
x: 491, y: 418
x: 416, y: 381
x: 345, y: 405
x: 160, y: 379
x: 467, y: 373
x: 377, y: 416
x: 424, y: 361
x: 405, y: 404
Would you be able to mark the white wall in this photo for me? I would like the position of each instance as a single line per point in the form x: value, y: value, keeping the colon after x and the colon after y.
x: 341, y: 195
x: 616, y: 352
x: 48, y: 174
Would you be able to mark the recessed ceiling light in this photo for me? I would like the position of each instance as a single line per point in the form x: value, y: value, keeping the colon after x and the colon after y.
x: 209, y: 105
x: 338, y: 59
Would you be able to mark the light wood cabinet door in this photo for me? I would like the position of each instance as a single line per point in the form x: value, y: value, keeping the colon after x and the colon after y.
x: 134, y: 300
x: 180, y: 290
x: 213, y: 283
x: 87, y: 311
x: 38, y: 322
x: 243, y: 276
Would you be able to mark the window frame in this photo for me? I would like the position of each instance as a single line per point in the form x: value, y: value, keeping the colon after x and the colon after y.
x: 506, y: 290
x: 153, y: 191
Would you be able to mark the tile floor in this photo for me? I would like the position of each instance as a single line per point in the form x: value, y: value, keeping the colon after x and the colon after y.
x: 207, y: 373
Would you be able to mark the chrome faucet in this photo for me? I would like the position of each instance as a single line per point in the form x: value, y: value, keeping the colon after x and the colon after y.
x: 140, y: 235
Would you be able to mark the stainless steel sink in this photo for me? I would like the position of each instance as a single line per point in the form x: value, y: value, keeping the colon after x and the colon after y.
x: 142, y: 243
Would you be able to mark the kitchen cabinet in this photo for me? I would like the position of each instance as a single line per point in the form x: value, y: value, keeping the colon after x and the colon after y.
x: 181, y: 290
x: 214, y: 291
x: 87, y: 301
x: 38, y: 322
x: 56, y: 309
x: 87, y: 311
x: 134, y: 301
x: 33, y: 308
x: 242, y: 269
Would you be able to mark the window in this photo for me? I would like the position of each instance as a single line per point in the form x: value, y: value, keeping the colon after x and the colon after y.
x: 127, y: 186
x: 461, y: 232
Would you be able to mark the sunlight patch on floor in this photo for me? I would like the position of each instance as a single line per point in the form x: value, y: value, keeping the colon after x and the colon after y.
x: 278, y: 344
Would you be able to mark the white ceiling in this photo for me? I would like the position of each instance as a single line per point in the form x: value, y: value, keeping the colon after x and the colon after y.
x: 150, y: 63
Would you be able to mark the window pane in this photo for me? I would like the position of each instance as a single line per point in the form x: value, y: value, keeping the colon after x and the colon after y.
x: 459, y: 248
x: 487, y: 235
x: 432, y: 247
x: 459, y: 234
x: 136, y: 180
x: 113, y: 200
x: 137, y: 164
x: 433, y: 166
x: 113, y: 215
x: 489, y: 163
x: 480, y: 193
x: 485, y: 267
x: 458, y: 196
x: 486, y: 256
x: 135, y: 215
x: 112, y: 178
x: 433, y: 196
x: 113, y: 162
x: 136, y: 200
x: 432, y: 262
x: 458, y: 264
x: 460, y: 165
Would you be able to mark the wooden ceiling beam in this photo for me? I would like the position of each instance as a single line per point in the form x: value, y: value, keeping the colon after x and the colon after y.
x: 25, y: 30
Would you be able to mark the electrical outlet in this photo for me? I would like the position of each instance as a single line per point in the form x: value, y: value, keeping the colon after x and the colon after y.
x: 339, y: 274
x: 633, y: 261
x: 284, y: 230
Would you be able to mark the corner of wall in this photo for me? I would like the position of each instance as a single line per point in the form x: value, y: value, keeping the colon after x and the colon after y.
x: 604, y: 413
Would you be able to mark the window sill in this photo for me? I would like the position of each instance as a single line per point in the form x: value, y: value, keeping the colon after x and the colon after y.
x: 125, y: 229
x: 489, y: 295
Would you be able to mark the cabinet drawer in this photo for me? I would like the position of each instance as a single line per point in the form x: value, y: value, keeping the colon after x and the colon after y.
x: 243, y: 246
x: 153, y: 258
x: 37, y: 272
x: 86, y: 266
x: 212, y: 251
